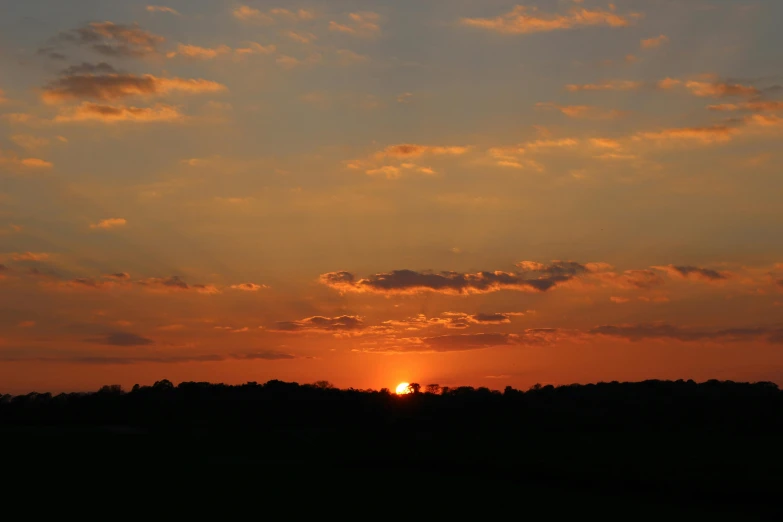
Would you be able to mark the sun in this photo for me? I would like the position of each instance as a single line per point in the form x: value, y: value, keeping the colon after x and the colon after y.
x: 402, y: 388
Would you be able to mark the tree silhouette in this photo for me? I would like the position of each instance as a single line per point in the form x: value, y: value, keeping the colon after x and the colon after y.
x: 414, y: 388
x: 433, y: 389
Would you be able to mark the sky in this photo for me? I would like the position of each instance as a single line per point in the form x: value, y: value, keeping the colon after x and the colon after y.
x: 459, y: 192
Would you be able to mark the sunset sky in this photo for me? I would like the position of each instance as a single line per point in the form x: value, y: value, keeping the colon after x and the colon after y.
x: 462, y: 192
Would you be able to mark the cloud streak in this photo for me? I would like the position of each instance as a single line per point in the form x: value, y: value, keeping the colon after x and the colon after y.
x: 531, y: 277
x: 524, y: 20
x: 112, y: 87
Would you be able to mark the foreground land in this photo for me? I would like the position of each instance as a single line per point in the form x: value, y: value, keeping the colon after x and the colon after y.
x: 671, y: 449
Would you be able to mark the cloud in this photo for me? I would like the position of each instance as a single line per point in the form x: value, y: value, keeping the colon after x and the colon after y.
x: 255, y: 48
x: 642, y: 332
x: 389, y: 171
x: 121, y: 339
x: 694, y: 273
x: 209, y: 53
x: 323, y: 324
x: 3, y: 99
x: 720, y: 89
x: 36, y: 163
x: 248, y: 287
x: 465, y: 342
x: 452, y: 320
x: 409, y: 150
x: 668, y: 83
x: 524, y: 20
x: 629, y: 279
x: 30, y: 256
x: 611, y: 85
x: 112, y: 39
x: 531, y: 277
x: 751, y: 106
x: 200, y: 53
x: 108, y: 224
x: 162, y: 358
x: 26, y: 324
x: 89, y: 68
x: 347, y: 57
x: 581, y: 111
x: 122, y: 276
x: 111, y: 87
x: 162, y: 9
x: 606, y: 143
x: 251, y: 15
x: 175, y: 284
x: 705, y: 135
x: 87, y: 112
x: 303, y: 38
x: 362, y: 24
x: 12, y: 160
x: 29, y: 142
x: 657, y: 41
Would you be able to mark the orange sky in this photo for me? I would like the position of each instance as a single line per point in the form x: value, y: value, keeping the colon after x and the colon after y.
x: 463, y: 193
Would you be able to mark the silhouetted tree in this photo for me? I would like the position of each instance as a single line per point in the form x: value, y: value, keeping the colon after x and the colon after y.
x: 433, y: 389
x: 414, y: 388
x: 323, y: 385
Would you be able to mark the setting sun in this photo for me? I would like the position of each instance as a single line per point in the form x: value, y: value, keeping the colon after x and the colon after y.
x: 402, y: 388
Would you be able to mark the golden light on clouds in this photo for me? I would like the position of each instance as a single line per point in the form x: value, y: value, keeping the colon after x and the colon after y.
x: 552, y: 191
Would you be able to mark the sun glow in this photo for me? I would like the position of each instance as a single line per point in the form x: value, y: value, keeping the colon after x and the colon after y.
x: 402, y: 388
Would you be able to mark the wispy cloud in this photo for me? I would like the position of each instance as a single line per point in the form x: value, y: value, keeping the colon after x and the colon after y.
x: 162, y: 9
x: 92, y: 112
x: 272, y: 16
x: 524, y: 19
x: 612, y: 85
x: 358, y: 24
x: 110, y: 87
x: 112, y: 39
x: 108, y: 224
x: 657, y: 41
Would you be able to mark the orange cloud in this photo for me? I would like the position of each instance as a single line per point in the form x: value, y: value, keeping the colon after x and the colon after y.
x: 694, y: 273
x: 251, y: 15
x: 613, y: 85
x: 753, y: 106
x: 119, y: 113
x: 606, y: 143
x: 408, y: 150
x: 113, y: 39
x: 720, y: 90
x: 248, y: 287
x: 175, y: 284
x: 358, y: 24
x: 641, y: 332
x: 109, y: 87
x: 389, y: 171
x: 523, y: 20
x: 706, y: 135
x: 255, y: 48
x: 531, y: 277
x: 11, y: 159
x: 210, y: 53
x: 669, y: 83
x: 200, y: 53
x: 108, y: 224
x: 162, y: 9
x: 29, y: 142
x: 652, y: 43
x: 303, y: 38
x: 30, y: 256
x: 581, y: 111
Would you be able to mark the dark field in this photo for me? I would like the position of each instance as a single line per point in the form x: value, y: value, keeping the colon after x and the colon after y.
x: 639, y: 451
